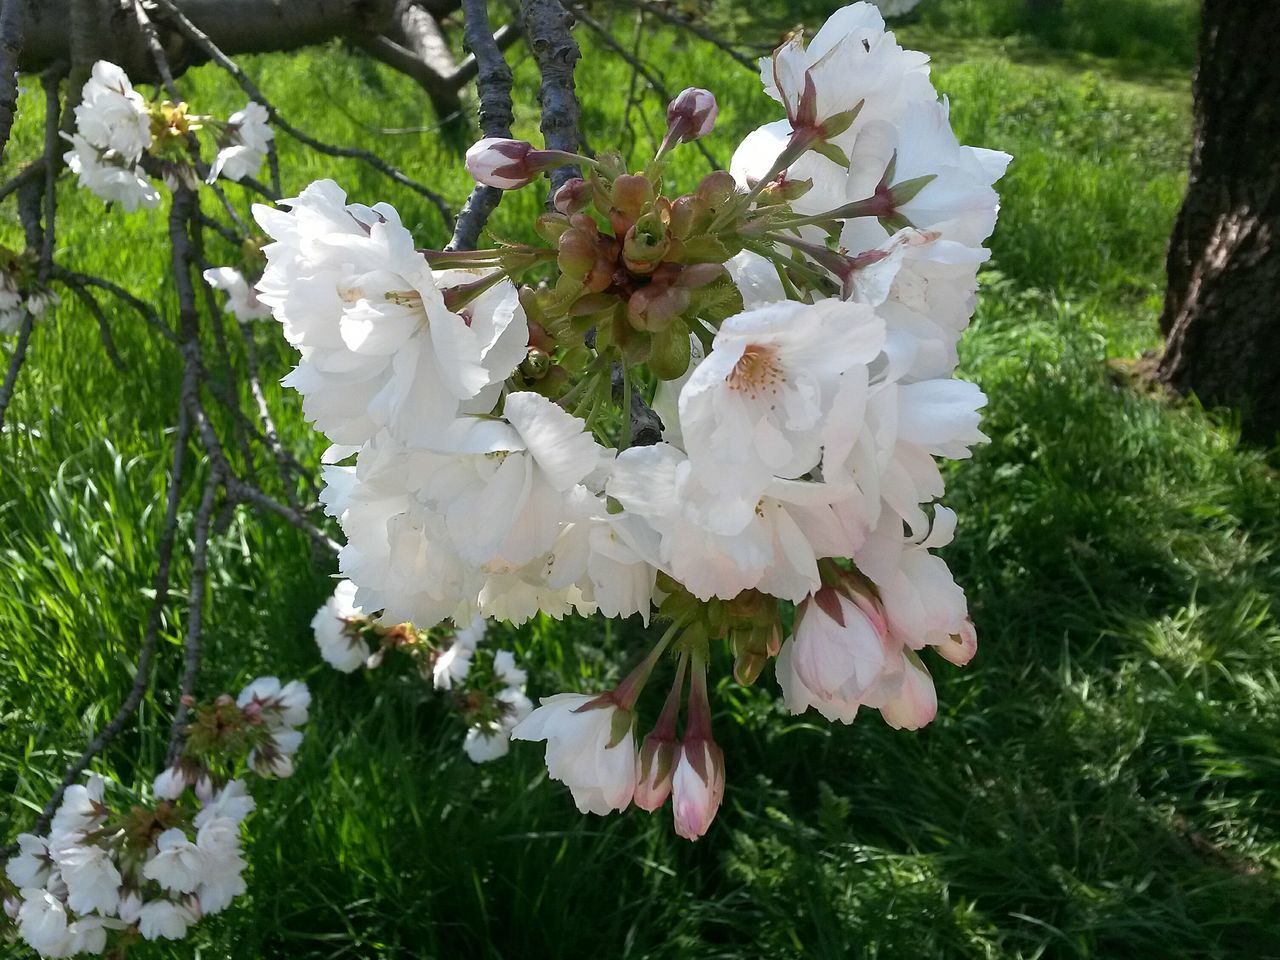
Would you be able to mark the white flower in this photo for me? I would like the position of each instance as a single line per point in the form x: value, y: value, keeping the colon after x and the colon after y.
x: 754, y: 408
x: 850, y: 60
x: 504, y: 496
x: 918, y: 145
x: 30, y: 866
x: 486, y: 742
x: 222, y: 880
x: 339, y: 648
x: 281, y: 705
x: 471, y: 635
x: 232, y: 802
x: 178, y: 864
x: 275, y: 758
x: 584, y: 751
x: 922, y: 601
x: 242, y: 300
x: 164, y: 919
x: 109, y: 177
x: 697, y: 787
x: 379, y: 347
x: 92, y: 879
x: 452, y: 666
x: 506, y: 669
x: 170, y: 783
x: 88, y: 935
x: 840, y: 651
x: 250, y: 136
x: 775, y: 549
x: 910, y: 701
x: 42, y: 923
x: 81, y: 810
x: 130, y: 907
x: 111, y: 114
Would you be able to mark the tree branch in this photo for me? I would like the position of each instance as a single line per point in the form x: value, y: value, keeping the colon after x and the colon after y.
x: 493, y: 84
x: 195, y: 615
x: 202, y: 41
x: 548, y: 26
x: 692, y: 26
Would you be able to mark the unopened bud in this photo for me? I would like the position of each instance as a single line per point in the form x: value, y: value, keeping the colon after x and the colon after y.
x: 510, y: 164
x: 535, y: 365
x: 717, y: 188
x: 697, y: 786
x: 655, y: 764
x: 573, y: 196
x: 691, y: 115
x: 631, y: 193
x: 645, y: 245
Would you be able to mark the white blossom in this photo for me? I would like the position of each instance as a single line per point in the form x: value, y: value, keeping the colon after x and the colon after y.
x: 170, y: 783
x: 42, y: 923
x: 340, y: 647
x: 165, y: 919
x: 231, y: 802
x: 30, y: 866
x: 177, y: 864
x: 110, y: 177
x: 249, y: 139
x: 81, y: 809
x: 92, y: 878
x: 111, y: 115
x: 242, y: 299
x: 582, y: 752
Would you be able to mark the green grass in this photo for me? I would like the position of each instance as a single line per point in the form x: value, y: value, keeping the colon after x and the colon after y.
x: 1102, y: 781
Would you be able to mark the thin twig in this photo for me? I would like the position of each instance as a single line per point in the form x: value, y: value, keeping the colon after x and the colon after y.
x: 52, y: 79
x: 697, y: 29
x: 104, y: 328
x: 547, y: 25
x: 15, y: 364
x: 493, y: 84
x: 201, y: 40
x: 655, y: 82
x: 191, y: 644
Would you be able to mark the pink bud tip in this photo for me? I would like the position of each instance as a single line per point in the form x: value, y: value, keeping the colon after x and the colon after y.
x: 692, y: 114
x: 502, y: 163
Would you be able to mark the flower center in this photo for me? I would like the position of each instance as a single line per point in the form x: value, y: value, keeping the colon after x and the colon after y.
x: 757, y: 371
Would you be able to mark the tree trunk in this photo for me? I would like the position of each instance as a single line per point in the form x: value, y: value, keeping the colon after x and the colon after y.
x: 1222, y: 309
x: 237, y: 26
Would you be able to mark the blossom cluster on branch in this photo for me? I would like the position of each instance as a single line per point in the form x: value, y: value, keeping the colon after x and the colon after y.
x: 701, y: 408
x: 121, y: 139
x: 486, y: 687
x: 110, y: 872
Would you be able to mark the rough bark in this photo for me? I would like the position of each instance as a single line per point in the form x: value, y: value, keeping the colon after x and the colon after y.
x: 414, y: 45
x: 236, y: 26
x: 1222, y: 308
x: 548, y: 26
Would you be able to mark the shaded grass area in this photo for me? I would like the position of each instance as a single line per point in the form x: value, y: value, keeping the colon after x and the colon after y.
x: 1101, y: 782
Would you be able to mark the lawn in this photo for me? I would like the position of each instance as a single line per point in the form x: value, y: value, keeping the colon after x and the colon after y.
x: 1102, y: 781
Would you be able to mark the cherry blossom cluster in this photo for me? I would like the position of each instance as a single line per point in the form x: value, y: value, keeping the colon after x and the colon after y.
x: 486, y: 687
x: 122, y: 140
x: 110, y: 872
x: 707, y: 408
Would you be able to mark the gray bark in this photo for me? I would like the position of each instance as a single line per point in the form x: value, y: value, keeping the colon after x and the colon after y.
x: 236, y: 26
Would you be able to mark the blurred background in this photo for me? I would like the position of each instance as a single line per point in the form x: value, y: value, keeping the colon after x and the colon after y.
x: 1102, y: 781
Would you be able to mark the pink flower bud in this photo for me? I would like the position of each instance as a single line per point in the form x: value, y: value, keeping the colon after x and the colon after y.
x: 691, y: 115
x: 654, y: 768
x: 697, y: 786
x: 505, y: 164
